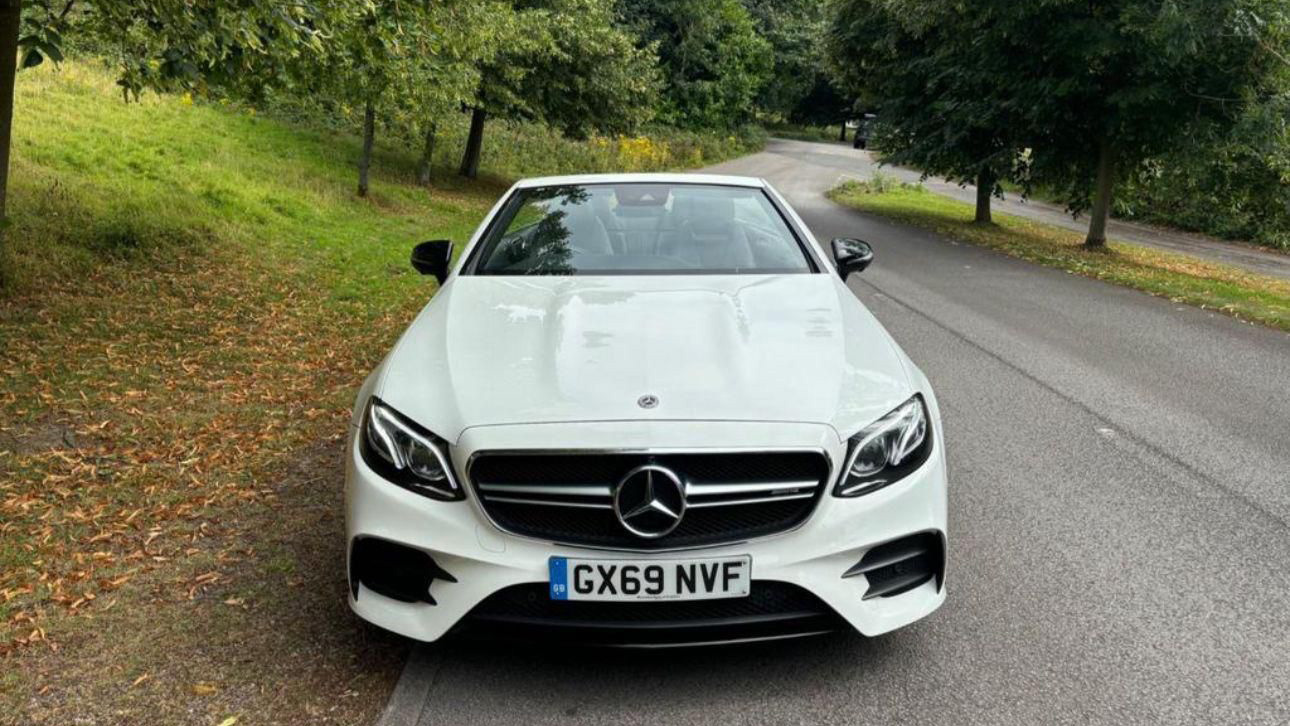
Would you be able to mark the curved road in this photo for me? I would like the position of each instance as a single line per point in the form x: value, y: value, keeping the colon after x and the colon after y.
x: 1120, y: 500
x: 860, y: 164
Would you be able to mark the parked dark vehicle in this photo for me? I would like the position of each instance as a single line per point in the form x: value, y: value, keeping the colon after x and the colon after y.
x: 864, y: 129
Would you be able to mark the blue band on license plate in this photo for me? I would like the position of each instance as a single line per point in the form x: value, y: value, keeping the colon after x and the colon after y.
x: 559, y: 578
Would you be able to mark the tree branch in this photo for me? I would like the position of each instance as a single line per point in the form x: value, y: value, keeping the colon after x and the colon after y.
x: 1274, y: 52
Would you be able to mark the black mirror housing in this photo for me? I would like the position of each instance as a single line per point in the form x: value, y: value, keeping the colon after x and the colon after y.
x: 851, y: 255
x: 433, y: 258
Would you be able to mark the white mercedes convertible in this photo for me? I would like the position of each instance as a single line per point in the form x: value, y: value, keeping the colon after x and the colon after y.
x: 644, y: 409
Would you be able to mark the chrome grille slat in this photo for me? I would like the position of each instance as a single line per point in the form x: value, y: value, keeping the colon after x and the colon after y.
x: 701, y: 489
x: 550, y: 502
x: 567, y: 496
x: 755, y: 500
x: 573, y: 490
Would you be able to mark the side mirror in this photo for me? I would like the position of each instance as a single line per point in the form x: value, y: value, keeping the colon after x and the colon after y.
x: 432, y: 258
x: 852, y: 255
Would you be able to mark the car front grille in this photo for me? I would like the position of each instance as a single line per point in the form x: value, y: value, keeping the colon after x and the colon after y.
x: 568, y: 497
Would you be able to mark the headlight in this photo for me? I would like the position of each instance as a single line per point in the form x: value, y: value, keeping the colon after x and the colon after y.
x: 887, y: 450
x: 406, y: 454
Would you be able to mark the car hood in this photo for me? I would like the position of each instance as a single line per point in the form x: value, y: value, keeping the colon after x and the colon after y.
x: 524, y: 350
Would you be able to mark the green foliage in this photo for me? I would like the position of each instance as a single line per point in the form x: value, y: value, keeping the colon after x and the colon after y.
x: 522, y: 149
x: 936, y: 88
x: 41, y: 34
x: 169, y: 44
x: 410, y: 59
x: 1130, y: 76
x: 823, y: 103
x: 1078, y: 85
x: 713, y: 61
x: 1233, y: 184
x: 798, y: 88
x: 568, y: 64
x: 803, y: 132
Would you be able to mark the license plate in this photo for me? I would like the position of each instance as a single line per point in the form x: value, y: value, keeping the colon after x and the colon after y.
x: 698, y: 579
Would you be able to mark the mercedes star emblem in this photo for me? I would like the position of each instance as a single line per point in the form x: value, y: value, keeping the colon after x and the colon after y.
x: 650, y: 501
x: 647, y: 401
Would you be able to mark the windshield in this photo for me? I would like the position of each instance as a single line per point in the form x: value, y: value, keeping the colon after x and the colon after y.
x: 619, y: 229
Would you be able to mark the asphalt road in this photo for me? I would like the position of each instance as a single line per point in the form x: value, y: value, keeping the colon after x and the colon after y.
x: 861, y: 165
x: 1120, y: 493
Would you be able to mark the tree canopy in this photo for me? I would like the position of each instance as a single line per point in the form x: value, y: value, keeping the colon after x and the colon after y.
x: 1089, y: 88
x: 935, y: 89
x: 569, y: 64
x: 713, y: 61
x: 1104, y: 85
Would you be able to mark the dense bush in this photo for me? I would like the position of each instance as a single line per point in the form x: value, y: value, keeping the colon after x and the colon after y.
x: 1230, y: 190
x: 532, y: 149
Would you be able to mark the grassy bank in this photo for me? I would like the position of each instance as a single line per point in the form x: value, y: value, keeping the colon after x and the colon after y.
x: 523, y: 149
x: 1177, y: 277
x: 827, y: 134
x: 191, y: 293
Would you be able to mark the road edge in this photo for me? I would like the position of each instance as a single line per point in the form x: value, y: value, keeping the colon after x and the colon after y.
x: 412, y: 692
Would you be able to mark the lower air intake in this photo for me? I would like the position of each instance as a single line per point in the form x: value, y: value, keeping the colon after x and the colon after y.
x: 771, y: 610
x: 901, y: 565
x: 396, y: 571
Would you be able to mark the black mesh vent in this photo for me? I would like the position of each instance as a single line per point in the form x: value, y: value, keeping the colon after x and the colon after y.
x: 609, y: 468
x: 526, y: 613
x: 531, y: 603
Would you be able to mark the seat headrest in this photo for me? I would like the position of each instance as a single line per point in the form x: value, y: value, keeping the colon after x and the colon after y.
x: 713, y: 216
x: 587, y: 233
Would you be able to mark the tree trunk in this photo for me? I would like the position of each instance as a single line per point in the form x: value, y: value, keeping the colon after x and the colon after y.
x: 369, y: 135
x: 427, y: 156
x: 984, y: 190
x: 474, y: 144
x: 1101, y: 197
x: 10, y: 14
x: 843, y: 135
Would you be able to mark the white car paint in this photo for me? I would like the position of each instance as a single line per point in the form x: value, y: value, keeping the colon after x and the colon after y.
x: 512, y: 350
x: 559, y: 362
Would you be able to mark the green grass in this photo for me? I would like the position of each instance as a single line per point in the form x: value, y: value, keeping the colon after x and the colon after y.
x: 190, y: 294
x: 808, y: 133
x: 99, y: 184
x: 1178, y: 277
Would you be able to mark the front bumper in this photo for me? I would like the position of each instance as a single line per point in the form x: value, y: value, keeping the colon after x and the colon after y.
x: 482, y: 560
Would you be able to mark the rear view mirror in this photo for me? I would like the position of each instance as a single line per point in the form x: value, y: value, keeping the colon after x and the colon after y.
x: 432, y: 258
x: 852, y: 255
